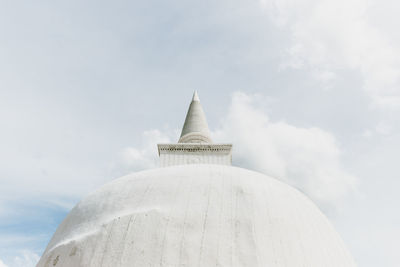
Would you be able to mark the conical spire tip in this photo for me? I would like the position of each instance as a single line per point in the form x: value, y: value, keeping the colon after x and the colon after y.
x: 195, y: 96
x: 195, y: 128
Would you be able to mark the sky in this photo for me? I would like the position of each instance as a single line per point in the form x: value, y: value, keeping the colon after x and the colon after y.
x: 307, y: 91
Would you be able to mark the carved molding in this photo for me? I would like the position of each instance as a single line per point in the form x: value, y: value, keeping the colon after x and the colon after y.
x: 194, y: 147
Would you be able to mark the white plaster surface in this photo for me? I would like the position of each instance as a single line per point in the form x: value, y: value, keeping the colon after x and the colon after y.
x: 196, y: 215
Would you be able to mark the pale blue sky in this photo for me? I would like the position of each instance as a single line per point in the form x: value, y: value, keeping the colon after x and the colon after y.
x: 87, y: 89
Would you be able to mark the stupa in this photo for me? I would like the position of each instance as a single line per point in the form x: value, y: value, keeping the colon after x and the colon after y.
x: 196, y: 210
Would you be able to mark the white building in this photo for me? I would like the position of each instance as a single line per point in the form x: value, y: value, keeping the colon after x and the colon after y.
x: 196, y: 210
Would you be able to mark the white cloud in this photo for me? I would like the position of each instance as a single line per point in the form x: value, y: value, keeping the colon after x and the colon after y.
x: 383, y: 128
x: 146, y: 157
x: 2, y: 264
x: 308, y: 158
x: 328, y: 36
x: 26, y: 259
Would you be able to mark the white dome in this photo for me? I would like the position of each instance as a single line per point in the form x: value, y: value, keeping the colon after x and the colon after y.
x: 196, y: 215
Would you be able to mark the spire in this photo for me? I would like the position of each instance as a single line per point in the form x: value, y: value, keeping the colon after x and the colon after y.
x: 195, y: 97
x: 195, y: 128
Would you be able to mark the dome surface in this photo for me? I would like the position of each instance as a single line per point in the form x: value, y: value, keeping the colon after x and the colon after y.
x: 196, y: 215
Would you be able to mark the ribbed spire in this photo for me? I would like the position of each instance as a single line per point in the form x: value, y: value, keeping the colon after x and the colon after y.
x: 195, y: 128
